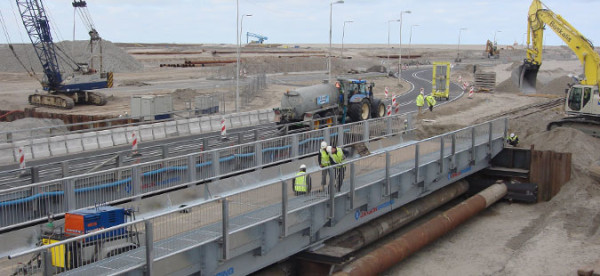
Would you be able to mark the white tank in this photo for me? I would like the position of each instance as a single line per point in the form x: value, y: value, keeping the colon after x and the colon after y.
x: 297, y: 102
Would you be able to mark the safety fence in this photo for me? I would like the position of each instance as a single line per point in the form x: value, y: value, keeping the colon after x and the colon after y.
x: 229, y: 219
x: 80, y: 142
x: 35, y: 202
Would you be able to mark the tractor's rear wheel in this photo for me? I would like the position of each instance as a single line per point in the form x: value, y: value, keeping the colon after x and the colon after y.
x: 360, y: 111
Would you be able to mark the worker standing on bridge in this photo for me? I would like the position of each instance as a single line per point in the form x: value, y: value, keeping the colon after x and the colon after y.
x: 302, y: 183
x: 324, y: 161
x: 338, y: 156
x: 420, y: 100
x: 513, y: 140
x: 430, y: 101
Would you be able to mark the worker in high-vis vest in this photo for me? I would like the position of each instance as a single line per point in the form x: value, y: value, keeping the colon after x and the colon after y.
x: 338, y: 157
x: 420, y: 101
x: 302, y: 183
x: 324, y: 161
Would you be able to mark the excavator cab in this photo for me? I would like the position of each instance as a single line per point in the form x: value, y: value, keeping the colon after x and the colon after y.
x: 579, y: 98
x: 525, y: 77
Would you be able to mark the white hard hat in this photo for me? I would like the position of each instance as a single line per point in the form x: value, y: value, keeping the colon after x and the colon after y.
x: 512, y: 135
x: 323, y: 145
x: 302, y: 166
x: 328, y: 149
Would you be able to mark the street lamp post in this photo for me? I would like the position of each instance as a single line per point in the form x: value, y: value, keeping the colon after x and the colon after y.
x: 400, y: 55
x: 498, y: 31
x: 388, y: 40
x: 343, y: 33
x: 237, y: 61
x: 410, y: 38
x: 330, y: 32
x: 458, y: 48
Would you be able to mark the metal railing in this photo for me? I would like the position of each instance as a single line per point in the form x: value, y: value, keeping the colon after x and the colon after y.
x: 35, y: 202
x: 92, y: 140
x: 220, y: 218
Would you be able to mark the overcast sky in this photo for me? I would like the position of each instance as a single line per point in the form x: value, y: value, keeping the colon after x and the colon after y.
x: 304, y: 21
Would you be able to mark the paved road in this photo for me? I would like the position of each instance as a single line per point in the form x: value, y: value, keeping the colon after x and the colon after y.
x: 85, y: 161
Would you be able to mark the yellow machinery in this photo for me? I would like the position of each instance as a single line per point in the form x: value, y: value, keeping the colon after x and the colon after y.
x: 440, y: 82
x: 492, y: 50
x: 583, y: 101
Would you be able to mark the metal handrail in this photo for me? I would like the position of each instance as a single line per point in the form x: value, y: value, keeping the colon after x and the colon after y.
x: 224, y: 196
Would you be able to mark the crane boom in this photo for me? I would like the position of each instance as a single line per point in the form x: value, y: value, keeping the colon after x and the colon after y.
x: 37, y: 25
x: 64, y: 92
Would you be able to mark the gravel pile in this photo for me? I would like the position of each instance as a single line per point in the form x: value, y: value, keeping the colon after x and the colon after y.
x: 30, y: 123
x: 114, y: 58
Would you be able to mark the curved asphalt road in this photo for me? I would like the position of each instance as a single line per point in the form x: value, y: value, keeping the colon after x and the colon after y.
x: 421, y: 77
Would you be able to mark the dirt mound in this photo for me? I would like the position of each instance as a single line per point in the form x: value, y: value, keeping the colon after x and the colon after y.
x: 507, y: 86
x: 114, y: 58
x: 186, y: 94
x: 58, y: 127
x: 556, y: 86
x: 377, y: 69
x: 585, y: 148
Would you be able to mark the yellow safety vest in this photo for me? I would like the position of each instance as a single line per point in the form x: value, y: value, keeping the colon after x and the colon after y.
x: 300, y: 182
x: 420, y: 101
x: 512, y: 139
x: 430, y: 100
x: 338, y: 157
x: 325, y: 161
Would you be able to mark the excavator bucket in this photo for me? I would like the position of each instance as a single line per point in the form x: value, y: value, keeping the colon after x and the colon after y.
x: 525, y: 77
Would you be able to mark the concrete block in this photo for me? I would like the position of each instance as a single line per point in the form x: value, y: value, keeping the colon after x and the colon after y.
x: 158, y: 130
x: 57, y: 145
x: 105, y: 139
x: 39, y: 148
x: 90, y: 141
x: 74, y: 143
x: 271, y: 115
x: 131, y: 130
x: 235, y: 120
x: 183, y: 127
x: 245, y: 118
x: 263, y: 117
x: 215, y: 123
x: 146, y: 134
x: 253, y: 117
x: 6, y: 153
x: 195, y: 126
x: 171, y: 129
x: 119, y: 136
x: 205, y: 124
x: 26, y: 145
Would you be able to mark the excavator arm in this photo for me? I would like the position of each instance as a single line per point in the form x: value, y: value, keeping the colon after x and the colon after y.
x: 538, y: 17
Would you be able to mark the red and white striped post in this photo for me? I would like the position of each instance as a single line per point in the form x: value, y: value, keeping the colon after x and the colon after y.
x: 386, y: 92
x: 394, y: 100
x: 389, y: 110
x: 134, y: 144
x: 21, y: 155
x: 465, y: 85
x: 223, y: 128
x: 397, y: 110
x: 471, y: 91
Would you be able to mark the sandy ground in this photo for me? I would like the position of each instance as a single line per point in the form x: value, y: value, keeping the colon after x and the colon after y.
x: 550, y: 238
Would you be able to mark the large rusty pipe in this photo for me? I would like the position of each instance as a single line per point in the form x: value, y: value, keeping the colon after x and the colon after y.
x: 391, y: 253
x: 372, y: 231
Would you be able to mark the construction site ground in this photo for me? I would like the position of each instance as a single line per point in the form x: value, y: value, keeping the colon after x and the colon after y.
x: 549, y: 238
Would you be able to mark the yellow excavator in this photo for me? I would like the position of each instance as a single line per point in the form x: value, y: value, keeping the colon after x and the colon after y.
x: 582, y: 102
